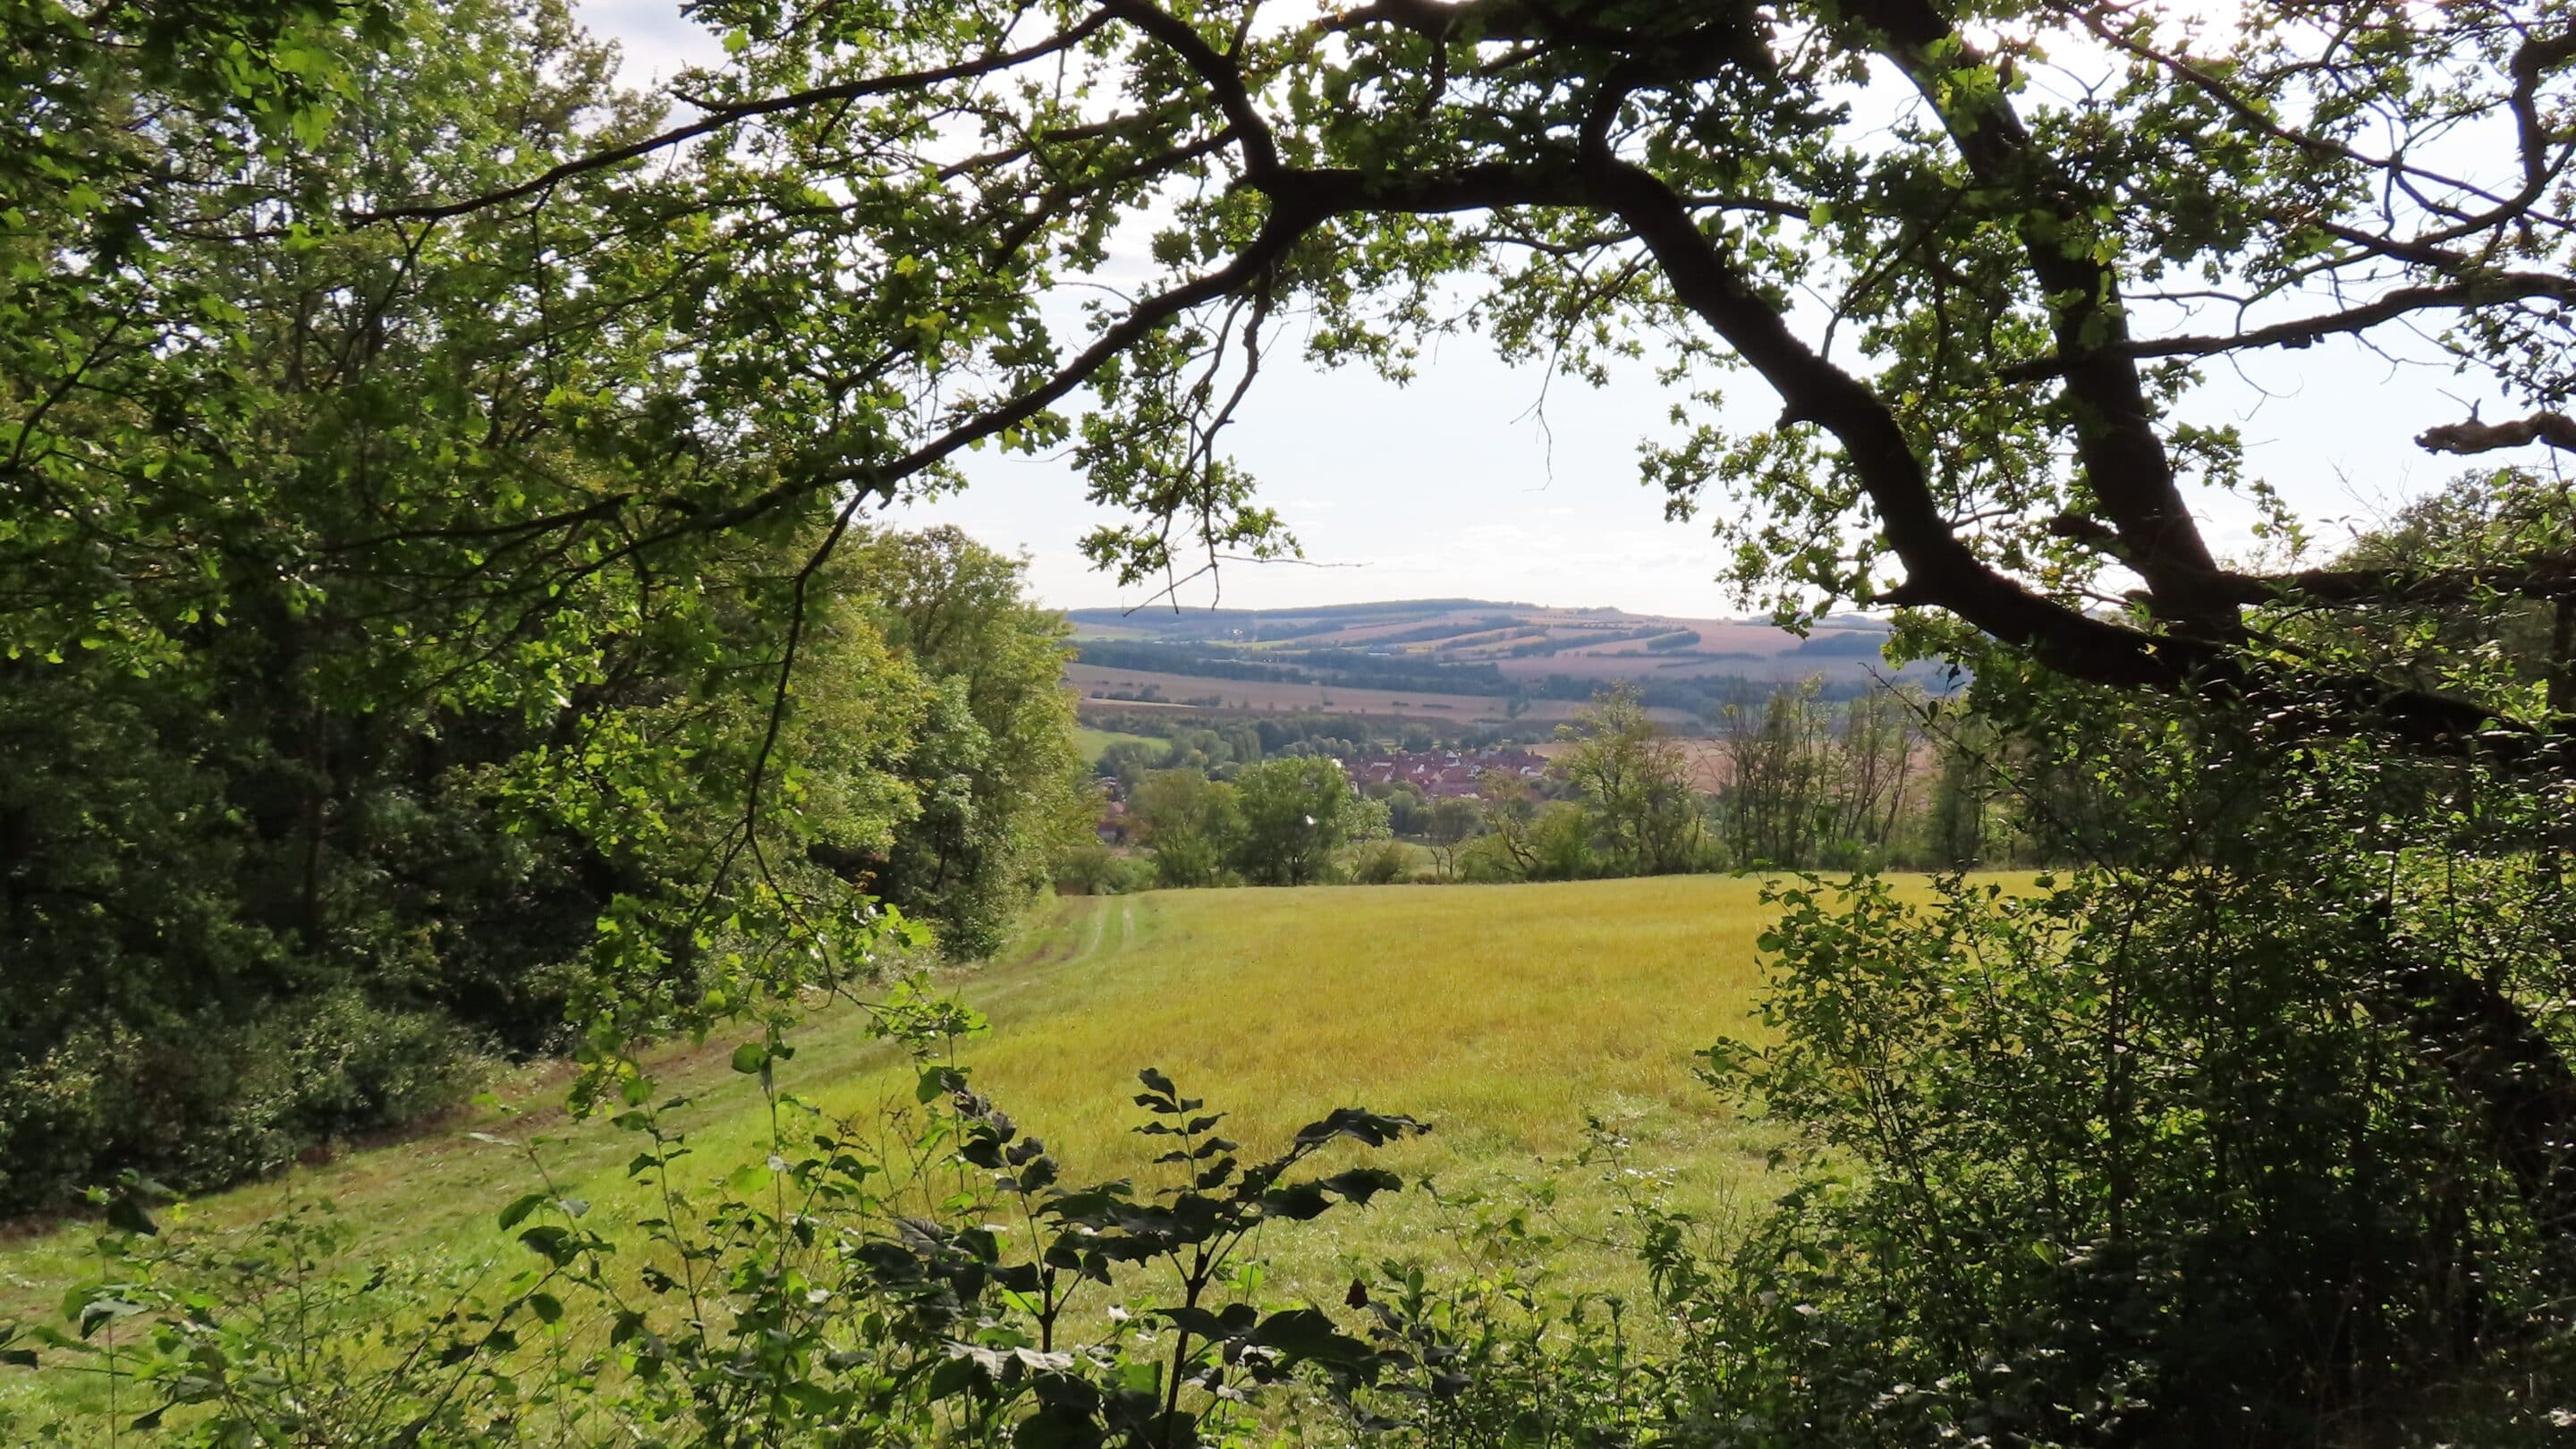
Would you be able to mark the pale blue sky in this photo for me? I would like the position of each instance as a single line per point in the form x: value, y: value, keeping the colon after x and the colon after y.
x: 1450, y: 487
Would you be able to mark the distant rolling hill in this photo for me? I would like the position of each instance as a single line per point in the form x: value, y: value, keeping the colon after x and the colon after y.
x: 1107, y: 689
x: 1452, y: 660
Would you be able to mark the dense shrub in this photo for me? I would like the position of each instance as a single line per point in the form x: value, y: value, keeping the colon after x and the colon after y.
x: 340, y: 728
x: 241, y: 922
x: 1383, y: 862
x: 1532, y: 841
x: 1091, y: 868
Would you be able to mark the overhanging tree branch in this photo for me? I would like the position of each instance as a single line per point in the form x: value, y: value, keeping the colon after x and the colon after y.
x: 1940, y: 569
x: 1222, y: 77
x: 2556, y: 429
x: 721, y: 115
x: 2300, y: 332
x: 2125, y: 463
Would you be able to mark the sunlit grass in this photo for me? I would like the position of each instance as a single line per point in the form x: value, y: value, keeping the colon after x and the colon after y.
x: 1503, y: 1015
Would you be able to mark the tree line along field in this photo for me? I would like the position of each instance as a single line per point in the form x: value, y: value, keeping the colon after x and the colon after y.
x: 1501, y: 1015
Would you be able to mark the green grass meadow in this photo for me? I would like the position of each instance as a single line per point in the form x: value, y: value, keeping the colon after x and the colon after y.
x: 1092, y: 743
x: 1503, y: 1015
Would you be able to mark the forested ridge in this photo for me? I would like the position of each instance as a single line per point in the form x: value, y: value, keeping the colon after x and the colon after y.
x: 446, y: 612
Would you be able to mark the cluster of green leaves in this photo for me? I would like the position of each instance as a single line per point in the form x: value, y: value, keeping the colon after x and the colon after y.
x: 996, y: 772
x: 251, y: 890
x: 2212, y: 1139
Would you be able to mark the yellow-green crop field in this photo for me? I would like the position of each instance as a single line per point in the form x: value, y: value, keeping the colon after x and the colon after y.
x: 1504, y: 1015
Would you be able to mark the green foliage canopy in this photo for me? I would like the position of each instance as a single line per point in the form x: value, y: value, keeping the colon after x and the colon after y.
x: 1193, y: 824
x: 1297, y: 813
x: 349, y: 732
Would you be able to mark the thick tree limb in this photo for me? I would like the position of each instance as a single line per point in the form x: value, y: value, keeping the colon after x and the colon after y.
x: 1678, y: 42
x: 2124, y: 460
x: 1221, y: 76
x: 2532, y: 61
x: 2556, y: 429
x: 1940, y: 567
x: 2549, y: 576
x: 2308, y: 331
x: 1496, y: 20
x: 1942, y: 572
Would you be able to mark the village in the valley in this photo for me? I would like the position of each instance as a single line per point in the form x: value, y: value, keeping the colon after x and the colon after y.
x: 1443, y: 774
